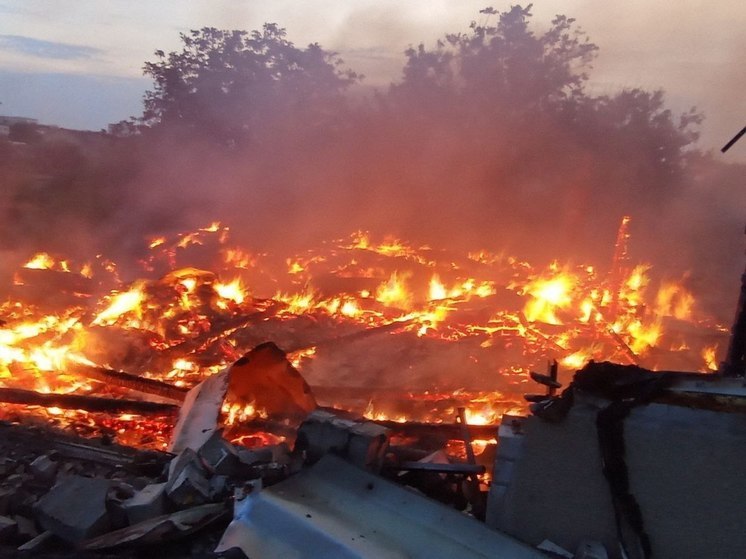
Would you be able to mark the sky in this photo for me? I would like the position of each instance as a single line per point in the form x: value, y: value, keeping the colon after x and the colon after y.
x: 78, y: 63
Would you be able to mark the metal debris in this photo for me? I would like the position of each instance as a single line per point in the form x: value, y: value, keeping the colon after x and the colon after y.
x: 334, y: 509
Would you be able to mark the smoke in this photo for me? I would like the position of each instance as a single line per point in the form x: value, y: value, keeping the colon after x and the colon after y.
x: 461, y: 172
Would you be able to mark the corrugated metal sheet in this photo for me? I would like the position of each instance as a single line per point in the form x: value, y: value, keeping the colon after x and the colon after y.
x: 335, y: 510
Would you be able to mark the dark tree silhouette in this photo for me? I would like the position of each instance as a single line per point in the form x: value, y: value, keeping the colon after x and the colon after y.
x: 232, y: 85
x: 502, y: 67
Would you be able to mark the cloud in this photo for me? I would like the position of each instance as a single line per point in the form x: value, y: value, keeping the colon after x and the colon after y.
x: 46, y: 49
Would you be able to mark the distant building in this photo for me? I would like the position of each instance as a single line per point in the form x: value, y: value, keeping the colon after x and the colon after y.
x: 11, y: 120
x: 4, y: 130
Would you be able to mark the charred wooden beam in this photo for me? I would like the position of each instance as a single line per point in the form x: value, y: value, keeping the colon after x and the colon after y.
x: 86, y: 403
x: 130, y: 381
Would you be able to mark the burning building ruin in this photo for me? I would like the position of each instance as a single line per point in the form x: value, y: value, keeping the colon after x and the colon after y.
x: 258, y: 389
x: 100, y: 357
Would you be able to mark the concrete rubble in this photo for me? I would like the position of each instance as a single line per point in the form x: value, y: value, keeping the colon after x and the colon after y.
x: 346, y: 490
x: 75, y: 508
x: 89, y: 498
x: 363, y: 443
x: 149, y: 502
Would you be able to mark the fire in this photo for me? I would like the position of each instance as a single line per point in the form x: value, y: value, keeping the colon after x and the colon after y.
x: 350, y: 308
x: 40, y: 261
x: 549, y: 295
x: 674, y: 300
x: 295, y: 267
x: 298, y: 303
x: 481, y: 417
x: 232, y: 291
x: 158, y: 241
x: 437, y: 289
x: 643, y: 336
x: 394, y: 292
x: 468, y: 288
x: 236, y: 413
x: 120, y: 304
x: 578, y: 359
x: 238, y: 258
x: 709, y: 354
x: 482, y: 320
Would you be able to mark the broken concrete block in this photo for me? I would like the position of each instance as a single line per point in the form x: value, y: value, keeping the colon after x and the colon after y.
x: 185, y: 457
x: 8, y: 528
x: 75, y: 508
x: 187, y: 483
x: 147, y: 503
x: 118, y: 493
x: 188, y: 488
x: 361, y: 442
x: 367, y: 446
x: 219, y: 456
x: 160, y: 529
x: 44, y: 468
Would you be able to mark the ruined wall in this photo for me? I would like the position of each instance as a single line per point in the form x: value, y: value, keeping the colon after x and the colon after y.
x: 685, y: 469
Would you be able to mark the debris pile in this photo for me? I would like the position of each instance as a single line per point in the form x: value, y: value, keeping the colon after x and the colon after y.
x: 63, y: 497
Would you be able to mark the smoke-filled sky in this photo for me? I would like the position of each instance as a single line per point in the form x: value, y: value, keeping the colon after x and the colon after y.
x: 78, y: 63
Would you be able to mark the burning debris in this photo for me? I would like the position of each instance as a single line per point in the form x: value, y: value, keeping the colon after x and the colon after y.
x: 399, y: 360
x: 353, y: 316
x: 87, y: 497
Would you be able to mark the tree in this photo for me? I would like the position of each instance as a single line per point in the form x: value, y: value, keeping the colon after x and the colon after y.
x: 232, y: 86
x: 503, y: 67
